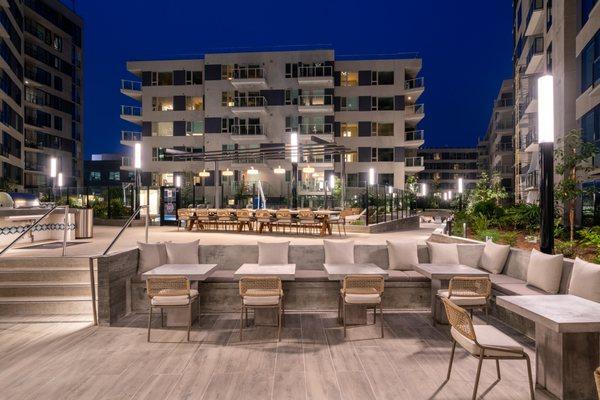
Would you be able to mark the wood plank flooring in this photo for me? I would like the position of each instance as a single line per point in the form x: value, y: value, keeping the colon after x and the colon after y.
x: 313, y: 361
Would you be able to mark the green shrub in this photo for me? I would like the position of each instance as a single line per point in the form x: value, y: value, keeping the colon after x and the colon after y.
x: 479, y: 223
x: 524, y: 216
x: 509, y: 238
x: 567, y: 248
x: 494, y: 234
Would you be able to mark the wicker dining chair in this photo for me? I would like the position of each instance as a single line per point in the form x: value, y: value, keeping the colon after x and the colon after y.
x: 224, y: 218
x: 365, y: 290
x: 183, y: 215
x: 170, y: 292
x: 468, y: 292
x: 261, y: 293
x: 264, y: 219
x: 205, y: 219
x: 307, y: 220
x: 244, y: 218
x: 284, y: 218
x: 597, y: 378
x: 483, y: 342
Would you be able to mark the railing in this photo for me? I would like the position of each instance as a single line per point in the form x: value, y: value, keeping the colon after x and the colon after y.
x: 131, y: 110
x: 414, y: 109
x: 315, y: 100
x: 504, y: 147
x: 250, y: 101
x: 131, y: 85
x: 248, y: 73
x: 34, y: 166
x: 127, y: 223
x: 504, y: 125
x: 131, y: 136
x: 537, y: 47
x: 315, y: 129
x: 504, y: 103
x: 531, y: 138
x: 248, y: 130
x: 416, y: 83
x: 531, y: 180
x: 535, y: 5
x: 310, y: 71
x: 415, y: 135
x: 413, y: 162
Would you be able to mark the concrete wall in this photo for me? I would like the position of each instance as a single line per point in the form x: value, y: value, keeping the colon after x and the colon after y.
x: 114, y: 280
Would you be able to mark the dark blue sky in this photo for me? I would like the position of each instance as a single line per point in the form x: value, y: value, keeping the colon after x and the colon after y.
x: 465, y: 46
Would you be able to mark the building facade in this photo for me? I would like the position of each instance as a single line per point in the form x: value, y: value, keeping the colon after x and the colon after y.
x: 41, y: 92
x: 445, y: 165
x: 105, y: 170
x: 236, y: 102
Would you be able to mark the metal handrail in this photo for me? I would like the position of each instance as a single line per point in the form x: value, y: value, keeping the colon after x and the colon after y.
x: 30, y: 227
x: 127, y: 223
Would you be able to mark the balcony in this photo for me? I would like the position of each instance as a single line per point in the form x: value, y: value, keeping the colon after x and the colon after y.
x: 315, y: 103
x: 415, y: 84
x: 413, y: 164
x: 322, y: 131
x: 535, y: 17
x: 530, y: 180
x: 535, y: 55
x: 504, y: 103
x: 414, y: 139
x: 249, y: 105
x: 530, y: 103
x: 315, y: 75
x: 248, y: 133
x: 132, y: 114
x: 131, y: 89
x: 504, y: 126
x: 531, y: 141
x: 318, y: 163
x: 35, y: 166
x: 504, y: 148
x: 128, y: 138
x: 248, y: 77
x: 414, y: 112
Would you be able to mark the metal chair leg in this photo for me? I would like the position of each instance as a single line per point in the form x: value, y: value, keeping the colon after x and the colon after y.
x: 241, y: 322
x: 451, y: 360
x: 344, y: 307
x: 279, y: 323
x: 162, y: 318
x: 498, y: 369
x: 381, y: 311
x: 375, y: 315
x: 531, y: 390
x: 149, y: 323
x: 474, y: 397
x: 189, y: 321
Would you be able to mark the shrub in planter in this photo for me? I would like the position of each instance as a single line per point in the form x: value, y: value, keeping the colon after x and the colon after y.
x: 509, y: 238
x: 482, y: 235
x: 567, y: 248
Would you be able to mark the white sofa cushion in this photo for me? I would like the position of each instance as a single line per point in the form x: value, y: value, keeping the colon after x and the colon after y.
x: 443, y: 253
x: 183, y: 253
x: 463, y: 300
x: 544, y: 271
x: 261, y: 300
x: 494, y: 257
x: 470, y: 254
x: 402, y: 254
x: 273, y: 253
x: 360, y: 298
x: 585, y: 280
x: 174, y: 300
x: 339, y: 251
x: 152, y: 255
x: 487, y: 335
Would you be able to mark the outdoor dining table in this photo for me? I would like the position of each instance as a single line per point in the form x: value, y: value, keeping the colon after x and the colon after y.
x: 195, y: 273
x: 355, y: 314
x: 440, y: 275
x: 566, y: 340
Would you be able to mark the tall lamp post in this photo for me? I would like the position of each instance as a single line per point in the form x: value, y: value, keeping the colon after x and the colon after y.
x: 53, y: 172
x: 294, y: 159
x: 460, y: 194
x: 137, y: 165
x: 546, y: 143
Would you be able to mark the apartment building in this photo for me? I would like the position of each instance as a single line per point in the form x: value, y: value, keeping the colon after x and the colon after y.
x: 105, y: 170
x: 496, y: 150
x: 445, y: 165
x: 239, y: 102
x: 41, y: 92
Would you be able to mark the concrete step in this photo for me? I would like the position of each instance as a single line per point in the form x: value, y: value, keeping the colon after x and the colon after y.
x: 47, y: 262
x: 45, y: 305
x: 40, y: 288
x: 46, y: 274
x: 47, y: 318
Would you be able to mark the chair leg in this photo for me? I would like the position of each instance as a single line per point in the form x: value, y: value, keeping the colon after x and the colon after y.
x: 531, y: 390
x: 247, y: 323
x: 381, y: 312
x: 477, y: 376
x: 451, y: 360
x: 344, y: 307
x: 345, y: 229
x: 241, y: 322
x: 189, y: 321
x: 162, y: 318
x: 339, y: 309
x: 149, y: 322
x: 375, y: 315
x: 279, y: 323
x: 498, y: 369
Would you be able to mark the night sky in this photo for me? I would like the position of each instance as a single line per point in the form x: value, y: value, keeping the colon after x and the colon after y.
x: 465, y: 46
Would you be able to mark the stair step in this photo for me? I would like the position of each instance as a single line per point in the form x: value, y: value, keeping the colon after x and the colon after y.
x: 42, y: 288
x: 42, y: 299
x: 44, y: 262
x: 38, y: 318
x: 45, y: 274
x: 30, y: 305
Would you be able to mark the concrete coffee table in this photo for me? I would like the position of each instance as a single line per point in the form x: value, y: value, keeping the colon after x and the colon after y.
x: 355, y: 314
x: 440, y: 276
x: 566, y: 337
x: 195, y: 273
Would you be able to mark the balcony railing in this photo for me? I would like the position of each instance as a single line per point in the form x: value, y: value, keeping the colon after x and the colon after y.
x: 504, y: 125
x: 131, y: 136
x: 35, y: 166
x: 531, y: 138
x: 535, y: 5
x: 500, y: 147
x: 415, y: 109
x: 315, y: 129
x: 309, y: 71
x: 131, y: 85
x: 248, y: 73
x: 250, y: 101
x: 415, y: 135
x: 531, y: 180
x: 413, y: 162
x: 247, y: 130
x: 132, y: 111
x: 504, y: 103
x: 315, y: 100
x: 416, y: 83
x: 536, y: 48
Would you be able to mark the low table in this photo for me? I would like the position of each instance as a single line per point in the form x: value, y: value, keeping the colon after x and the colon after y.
x: 566, y: 337
x: 355, y: 314
x: 285, y: 272
x: 195, y: 273
x: 440, y: 275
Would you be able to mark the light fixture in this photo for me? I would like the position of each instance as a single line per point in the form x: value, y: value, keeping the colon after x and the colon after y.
x: 371, y: 176
x: 449, y: 194
x: 137, y: 156
x: 227, y: 172
x: 460, y: 185
x: 53, y: 169
x: 315, y: 175
x: 445, y: 196
x: 545, y: 99
x: 279, y: 170
x: 294, y: 149
x: 60, y: 179
x: 308, y: 169
x: 321, y: 185
x: 423, y: 189
x: 204, y: 174
x: 178, y: 181
x: 390, y: 189
x: 332, y: 181
x: 252, y: 171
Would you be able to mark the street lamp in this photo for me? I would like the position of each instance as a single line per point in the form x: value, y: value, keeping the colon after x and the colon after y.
x: 294, y: 159
x: 53, y: 170
x: 545, y: 101
x: 177, y: 181
x: 137, y: 165
x: 60, y: 185
x: 460, y: 193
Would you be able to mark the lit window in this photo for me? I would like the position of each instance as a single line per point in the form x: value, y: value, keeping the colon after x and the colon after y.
x: 162, y: 104
x: 193, y: 103
x: 349, y: 129
x: 348, y: 78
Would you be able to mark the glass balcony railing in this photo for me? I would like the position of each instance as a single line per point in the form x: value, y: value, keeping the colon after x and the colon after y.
x: 249, y: 101
x: 531, y: 138
x: 415, y: 109
x: 248, y: 73
x: 131, y: 85
x: 504, y: 103
x: 413, y: 162
x: 535, y: 5
x: 315, y: 100
x: 416, y: 83
x: 131, y: 136
x: 502, y: 147
x: 247, y: 130
x: 415, y: 135
x: 536, y: 48
x: 131, y: 111
x: 315, y: 129
x: 310, y: 71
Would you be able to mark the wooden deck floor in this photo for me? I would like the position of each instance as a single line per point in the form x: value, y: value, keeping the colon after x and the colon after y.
x: 313, y: 361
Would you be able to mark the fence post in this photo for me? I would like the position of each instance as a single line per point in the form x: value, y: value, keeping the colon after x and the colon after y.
x: 377, y: 204
x: 384, y: 205
x: 108, y: 208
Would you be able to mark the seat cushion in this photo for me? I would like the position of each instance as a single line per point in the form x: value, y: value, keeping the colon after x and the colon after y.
x: 183, y: 253
x: 517, y: 289
x: 222, y: 276
x: 443, y: 253
x: 174, y: 300
x: 311, y: 275
x: 502, y: 278
x: 463, y: 300
x: 494, y: 257
x: 585, y: 280
x: 261, y: 300
x: 355, y: 298
x: 397, y: 276
x: 273, y: 253
x: 488, y: 336
x: 339, y: 251
x: 415, y: 276
x: 545, y: 271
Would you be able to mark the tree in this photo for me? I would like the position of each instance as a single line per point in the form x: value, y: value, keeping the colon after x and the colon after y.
x: 411, y: 187
x: 572, y: 161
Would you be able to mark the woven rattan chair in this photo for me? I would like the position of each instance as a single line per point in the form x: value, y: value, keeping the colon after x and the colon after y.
x: 468, y: 292
x: 483, y: 342
x: 284, y: 219
x: 264, y: 219
x: 365, y: 290
x: 307, y: 220
x: 205, y: 219
x: 170, y: 292
x: 597, y: 378
x: 183, y: 215
x: 261, y: 292
x: 224, y: 218
x: 244, y: 218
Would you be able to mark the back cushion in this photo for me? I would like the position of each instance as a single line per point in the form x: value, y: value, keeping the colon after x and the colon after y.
x: 585, y: 280
x: 183, y: 253
x: 494, y: 257
x: 544, y: 271
x: 402, y: 254
x: 339, y: 252
x: 470, y: 254
x: 152, y: 255
x: 273, y: 253
x: 443, y: 253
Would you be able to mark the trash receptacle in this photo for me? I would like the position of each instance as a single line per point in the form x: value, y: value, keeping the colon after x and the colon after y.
x: 84, y: 223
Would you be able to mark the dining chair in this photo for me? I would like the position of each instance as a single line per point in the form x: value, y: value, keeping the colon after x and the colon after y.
x: 183, y: 215
x: 341, y: 219
x: 224, y: 218
x: 484, y: 342
x: 205, y: 219
x: 364, y: 290
x: 264, y: 219
x: 244, y: 218
x: 170, y: 292
x: 597, y: 378
x: 307, y: 220
x: 467, y: 292
x: 284, y: 218
x: 261, y: 293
